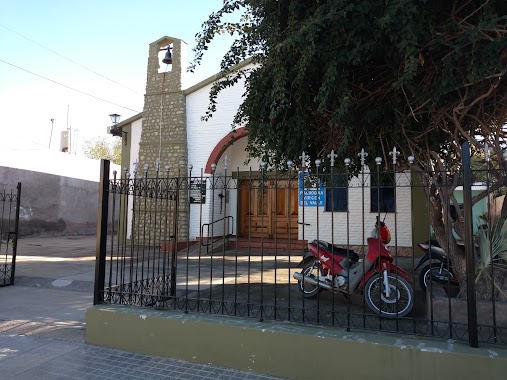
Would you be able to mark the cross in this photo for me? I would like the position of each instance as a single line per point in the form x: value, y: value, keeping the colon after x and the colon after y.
x: 363, y: 156
x: 136, y: 166
x: 303, y: 157
x: 221, y: 196
x: 395, y: 153
x: 486, y: 150
x: 157, y: 165
x: 226, y: 160
x: 332, y: 156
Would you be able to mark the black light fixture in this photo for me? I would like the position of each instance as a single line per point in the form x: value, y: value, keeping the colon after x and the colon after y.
x: 115, y: 118
x: 168, y: 59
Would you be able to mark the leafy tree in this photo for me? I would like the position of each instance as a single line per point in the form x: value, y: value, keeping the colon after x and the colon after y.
x: 422, y: 75
x: 103, y: 147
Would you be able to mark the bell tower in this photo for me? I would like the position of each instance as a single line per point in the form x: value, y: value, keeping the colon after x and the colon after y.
x: 164, y: 134
x: 164, y: 130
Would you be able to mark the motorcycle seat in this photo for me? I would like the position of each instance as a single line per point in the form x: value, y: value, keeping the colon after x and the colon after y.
x: 336, y: 250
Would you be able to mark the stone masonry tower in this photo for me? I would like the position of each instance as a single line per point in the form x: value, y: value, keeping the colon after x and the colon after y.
x: 164, y: 132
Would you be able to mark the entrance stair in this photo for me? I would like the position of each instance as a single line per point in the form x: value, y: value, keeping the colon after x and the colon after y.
x: 268, y: 245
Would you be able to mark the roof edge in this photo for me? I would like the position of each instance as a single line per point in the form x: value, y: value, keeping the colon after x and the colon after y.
x: 215, y: 77
x: 130, y: 120
x: 166, y: 38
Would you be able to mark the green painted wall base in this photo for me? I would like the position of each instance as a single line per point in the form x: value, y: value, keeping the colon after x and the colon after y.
x: 289, y: 350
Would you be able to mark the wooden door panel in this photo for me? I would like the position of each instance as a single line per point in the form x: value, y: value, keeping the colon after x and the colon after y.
x: 285, y: 212
x: 256, y: 227
x: 268, y: 211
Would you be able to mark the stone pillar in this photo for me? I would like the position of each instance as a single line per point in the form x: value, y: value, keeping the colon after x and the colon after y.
x: 164, y: 133
x: 164, y: 120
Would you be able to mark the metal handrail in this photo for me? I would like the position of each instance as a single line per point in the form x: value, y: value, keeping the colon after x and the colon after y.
x: 216, y: 221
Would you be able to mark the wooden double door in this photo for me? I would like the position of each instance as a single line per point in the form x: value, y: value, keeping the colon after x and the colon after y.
x: 268, y: 209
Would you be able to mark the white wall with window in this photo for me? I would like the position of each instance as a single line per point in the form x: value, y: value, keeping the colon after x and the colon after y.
x: 347, y: 211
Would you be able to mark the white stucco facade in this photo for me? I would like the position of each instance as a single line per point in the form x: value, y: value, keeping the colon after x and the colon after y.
x: 203, y: 137
x: 135, y: 138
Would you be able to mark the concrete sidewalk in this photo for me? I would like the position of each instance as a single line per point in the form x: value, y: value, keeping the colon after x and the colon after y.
x: 53, y: 287
x: 42, y: 322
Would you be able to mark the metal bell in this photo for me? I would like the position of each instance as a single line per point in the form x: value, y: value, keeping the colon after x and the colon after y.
x: 168, y: 59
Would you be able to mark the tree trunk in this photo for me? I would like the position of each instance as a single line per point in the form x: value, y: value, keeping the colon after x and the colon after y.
x: 485, y: 288
x: 444, y: 236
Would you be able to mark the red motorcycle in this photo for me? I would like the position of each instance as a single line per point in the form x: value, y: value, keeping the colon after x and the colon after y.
x: 387, y: 288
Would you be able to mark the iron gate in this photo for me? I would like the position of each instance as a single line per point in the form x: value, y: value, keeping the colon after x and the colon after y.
x: 9, y: 224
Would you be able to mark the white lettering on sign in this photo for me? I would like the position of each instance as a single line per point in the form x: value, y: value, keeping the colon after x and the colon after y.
x: 310, y: 196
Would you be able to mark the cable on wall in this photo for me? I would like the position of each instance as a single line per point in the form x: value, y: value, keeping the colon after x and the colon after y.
x: 160, y: 117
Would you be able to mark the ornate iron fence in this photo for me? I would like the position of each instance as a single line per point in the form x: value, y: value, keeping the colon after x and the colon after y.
x: 9, y: 225
x: 151, y: 252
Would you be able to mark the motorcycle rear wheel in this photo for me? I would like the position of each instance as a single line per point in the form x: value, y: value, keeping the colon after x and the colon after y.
x: 438, y: 276
x: 398, y: 304
x: 312, y: 268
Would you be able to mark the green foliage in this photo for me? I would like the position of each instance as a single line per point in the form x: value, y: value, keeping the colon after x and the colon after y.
x: 108, y: 148
x: 421, y: 75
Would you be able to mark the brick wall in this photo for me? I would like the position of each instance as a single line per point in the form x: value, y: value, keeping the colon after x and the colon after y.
x: 202, y: 139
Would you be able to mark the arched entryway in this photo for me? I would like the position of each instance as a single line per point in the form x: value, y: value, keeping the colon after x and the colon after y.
x: 222, y: 146
x: 266, y: 208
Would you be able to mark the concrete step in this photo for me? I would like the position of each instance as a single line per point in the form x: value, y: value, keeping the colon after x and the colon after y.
x: 294, y: 246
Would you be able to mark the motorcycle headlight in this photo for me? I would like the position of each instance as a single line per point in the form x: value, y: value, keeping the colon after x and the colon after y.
x: 385, y: 234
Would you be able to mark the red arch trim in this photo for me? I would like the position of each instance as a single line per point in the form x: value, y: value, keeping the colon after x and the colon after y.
x: 222, y: 145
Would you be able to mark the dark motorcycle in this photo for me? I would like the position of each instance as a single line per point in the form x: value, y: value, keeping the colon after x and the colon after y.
x: 438, y: 268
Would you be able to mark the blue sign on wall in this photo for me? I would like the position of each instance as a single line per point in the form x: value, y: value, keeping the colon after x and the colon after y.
x: 310, y: 196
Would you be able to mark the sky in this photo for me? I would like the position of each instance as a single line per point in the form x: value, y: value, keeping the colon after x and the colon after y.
x: 56, y: 38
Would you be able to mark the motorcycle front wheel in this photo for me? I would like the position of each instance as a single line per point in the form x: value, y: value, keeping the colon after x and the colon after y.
x: 434, y: 272
x: 400, y: 300
x: 312, y: 268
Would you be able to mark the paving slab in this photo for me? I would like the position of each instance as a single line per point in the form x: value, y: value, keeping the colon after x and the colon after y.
x: 66, y: 258
x: 42, y: 322
x: 29, y: 358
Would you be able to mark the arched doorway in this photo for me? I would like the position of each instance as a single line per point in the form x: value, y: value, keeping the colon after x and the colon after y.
x: 267, y: 206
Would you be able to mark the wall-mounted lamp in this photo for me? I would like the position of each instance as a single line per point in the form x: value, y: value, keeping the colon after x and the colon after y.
x: 115, y: 118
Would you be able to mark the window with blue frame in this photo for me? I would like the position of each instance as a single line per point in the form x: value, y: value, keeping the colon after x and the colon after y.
x: 383, y: 198
x: 337, y: 195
